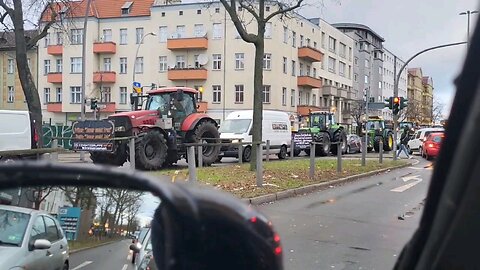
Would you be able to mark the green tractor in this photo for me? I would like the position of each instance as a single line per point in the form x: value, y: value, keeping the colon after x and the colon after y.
x: 376, y: 132
x: 321, y: 128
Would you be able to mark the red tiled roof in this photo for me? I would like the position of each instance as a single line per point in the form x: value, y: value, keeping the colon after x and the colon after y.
x: 99, y: 8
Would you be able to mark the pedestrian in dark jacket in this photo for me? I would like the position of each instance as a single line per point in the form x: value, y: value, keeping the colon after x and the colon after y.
x: 403, y: 143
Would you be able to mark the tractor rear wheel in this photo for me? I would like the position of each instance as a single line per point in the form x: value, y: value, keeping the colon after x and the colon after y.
x: 388, y: 143
x: 323, y: 149
x: 341, y: 137
x: 206, y: 132
x: 150, y: 151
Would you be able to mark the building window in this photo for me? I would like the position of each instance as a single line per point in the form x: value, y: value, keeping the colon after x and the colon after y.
x: 217, y: 31
x: 267, y: 8
x: 11, y: 66
x: 139, y: 65
x: 323, y: 39
x: 107, y: 35
x: 47, y: 40
x: 331, y: 64
x: 266, y: 94
x: 350, y: 53
x: 198, y: 30
x: 163, y: 34
x: 284, y: 96
x: 217, y: 10
x: 46, y: 67
x: 284, y: 65
x: 11, y: 94
x: 308, y: 70
x: 163, y: 65
x: 239, y: 93
x: 76, y: 94
x: 239, y: 61
x: 301, y: 41
x: 46, y: 95
x: 217, y: 93
x: 180, y: 12
x: 349, y: 71
x: 107, y: 64
x: 315, y: 44
x: 268, y: 30
x: 123, y: 65
x: 294, y: 72
x: 180, y: 31
x: 195, y: 61
x: 138, y: 35
x: 76, y: 65
x: 199, y: 11
x: 300, y: 68
x: 355, y: 79
x: 58, y: 94
x: 163, y: 14
x: 285, y: 35
x: 76, y: 36
x: 180, y: 62
x: 292, y: 98
x: 343, y: 50
x: 314, y: 100
x: 123, y: 36
x: 123, y: 95
x: 379, y: 85
x: 59, y: 37
x: 307, y: 98
x: 367, y: 63
x: 267, y: 61
x: 366, y: 78
x: 341, y: 68
x: 217, y: 61
x: 294, y: 39
x: 59, y: 63
x: 355, y: 61
x: 315, y: 72
x: 106, y: 95
x: 332, y: 44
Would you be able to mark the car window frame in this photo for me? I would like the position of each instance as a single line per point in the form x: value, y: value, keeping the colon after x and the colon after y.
x: 35, y: 218
x: 58, y: 238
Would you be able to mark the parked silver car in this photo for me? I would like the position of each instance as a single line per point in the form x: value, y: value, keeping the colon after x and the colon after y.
x: 31, y: 239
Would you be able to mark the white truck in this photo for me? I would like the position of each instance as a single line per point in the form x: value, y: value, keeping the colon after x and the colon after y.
x: 17, y: 133
x: 237, y: 126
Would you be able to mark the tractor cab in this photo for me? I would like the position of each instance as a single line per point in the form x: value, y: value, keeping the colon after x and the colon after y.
x: 320, y: 120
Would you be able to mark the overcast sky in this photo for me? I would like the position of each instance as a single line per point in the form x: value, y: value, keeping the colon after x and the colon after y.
x: 408, y: 26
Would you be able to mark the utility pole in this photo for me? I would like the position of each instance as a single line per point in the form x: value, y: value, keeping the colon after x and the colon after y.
x: 468, y: 13
x: 84, y: 75
x: 395, y: 117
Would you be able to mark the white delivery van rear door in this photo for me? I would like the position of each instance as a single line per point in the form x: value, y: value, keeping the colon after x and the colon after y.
x: 15, y: 131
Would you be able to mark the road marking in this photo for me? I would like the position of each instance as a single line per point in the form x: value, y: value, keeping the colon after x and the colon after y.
x: 407, y: 186
x: 413, y: 177
x: 125, y: 267
x: 85, y: 263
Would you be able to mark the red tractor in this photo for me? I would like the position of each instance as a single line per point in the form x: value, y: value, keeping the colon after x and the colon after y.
x: 169, y: 120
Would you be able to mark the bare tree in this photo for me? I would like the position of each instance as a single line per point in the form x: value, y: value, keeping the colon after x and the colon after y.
x: 413, y: 112
x: 437, y: 111
x: 256, y: 8
x: 37, y: 195
x: 356, y: 111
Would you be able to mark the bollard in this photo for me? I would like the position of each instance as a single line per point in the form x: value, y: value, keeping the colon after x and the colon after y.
x: 259, y: 171
x: 267, y: 153
x: 200, y: 156
x: 364, y: 150
x: 131, y: 150
x: 292, y: 149
x: 240, y: 152
x: 82, y: 156
x: 54, y: 155
x: 312, y: 160
x: 380, y: 158
x: 339, y: 157
x: 192, y: 171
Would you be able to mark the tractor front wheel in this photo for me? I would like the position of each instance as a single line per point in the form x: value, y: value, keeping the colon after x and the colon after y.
x: 324, y: 148
x: 206, y: 133
x: 340, y: 137
x: 376, y: 143
x: 150, y: 151
x: 388, y: 143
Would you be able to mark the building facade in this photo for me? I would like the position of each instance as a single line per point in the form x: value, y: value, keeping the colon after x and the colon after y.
x: 11, y: 91
x: 420, y: 97
x: 307, y: 63
x: 388, y: 75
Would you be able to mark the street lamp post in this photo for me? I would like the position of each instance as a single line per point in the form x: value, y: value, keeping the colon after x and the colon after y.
x: 136, y: 54
x: 468, y: 13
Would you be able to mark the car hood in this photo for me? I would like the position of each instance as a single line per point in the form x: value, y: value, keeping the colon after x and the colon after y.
x: 10, y: 256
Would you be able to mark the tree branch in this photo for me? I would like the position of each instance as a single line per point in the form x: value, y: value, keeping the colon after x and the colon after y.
x: 231, y: 9
x: 249, y: 8
x: 281, y: 10
x: 33, y: 41
x: 8, y: 9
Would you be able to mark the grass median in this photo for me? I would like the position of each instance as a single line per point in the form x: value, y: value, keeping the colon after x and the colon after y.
x: 90, y: 242
x: 278, y: 175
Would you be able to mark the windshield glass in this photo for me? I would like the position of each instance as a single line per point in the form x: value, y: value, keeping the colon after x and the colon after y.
x: 374, y: 125
x: 158, y: 102
x: 317, y: 120
x: 237, y: 126
x: 12, y: 227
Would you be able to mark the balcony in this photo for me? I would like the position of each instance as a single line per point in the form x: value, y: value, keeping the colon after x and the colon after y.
x: 187, y: 74
x: 104, y: 77
x: 55, y: 49
x: 342, y: 92
x: 202, y: 106
x: 54, y: 77
x: 310, y: 54
x: 200, y: 43
x: 105, y: 47
x: 54, y: 107
x: 308, y: 81
x: 329, y: 90
x: 109, y: 107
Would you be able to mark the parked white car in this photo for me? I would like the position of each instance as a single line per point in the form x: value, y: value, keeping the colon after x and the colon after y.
x: 31, y: 239
x: 415, y: 144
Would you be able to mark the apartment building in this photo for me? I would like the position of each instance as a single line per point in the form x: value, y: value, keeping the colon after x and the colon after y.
x: 11, y: 92
x: 388, y: 76
x: 307, y: 63
x: 420, y: 97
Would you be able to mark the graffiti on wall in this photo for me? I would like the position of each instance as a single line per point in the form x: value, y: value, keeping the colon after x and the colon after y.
x: 52, y: 131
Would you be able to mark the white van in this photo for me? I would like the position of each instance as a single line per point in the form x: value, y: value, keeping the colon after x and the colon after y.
x: 17, y: 131
x: 238, y: 124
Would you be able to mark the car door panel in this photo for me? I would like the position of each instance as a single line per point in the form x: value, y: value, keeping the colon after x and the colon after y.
x: 55, y: 251
x: 37, y: 259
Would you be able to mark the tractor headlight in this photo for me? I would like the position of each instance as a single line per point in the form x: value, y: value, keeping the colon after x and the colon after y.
x: 119, y: 129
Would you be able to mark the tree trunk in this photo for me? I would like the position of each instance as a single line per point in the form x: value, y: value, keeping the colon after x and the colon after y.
x: 257, y: 95
x: 26, y: 79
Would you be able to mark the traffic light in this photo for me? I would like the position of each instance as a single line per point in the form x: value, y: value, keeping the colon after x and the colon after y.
x: 403, y: 103
x: 389, y: 103
x: 93, y: 104
x: 396, y: 105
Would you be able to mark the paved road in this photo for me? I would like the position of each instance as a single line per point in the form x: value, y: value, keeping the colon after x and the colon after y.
x: 354, y: 226
x: 114, y: 256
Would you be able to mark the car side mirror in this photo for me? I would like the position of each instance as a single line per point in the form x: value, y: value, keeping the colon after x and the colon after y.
x: 135, y: 247
x: 42, y: 244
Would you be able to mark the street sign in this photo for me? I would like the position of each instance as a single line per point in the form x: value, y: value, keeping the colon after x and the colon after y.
x: 69, y: 218
x: 137, y: 84
x: 376, y: 105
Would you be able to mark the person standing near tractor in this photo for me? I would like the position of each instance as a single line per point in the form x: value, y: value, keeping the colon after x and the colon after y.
x: 403, y: 143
